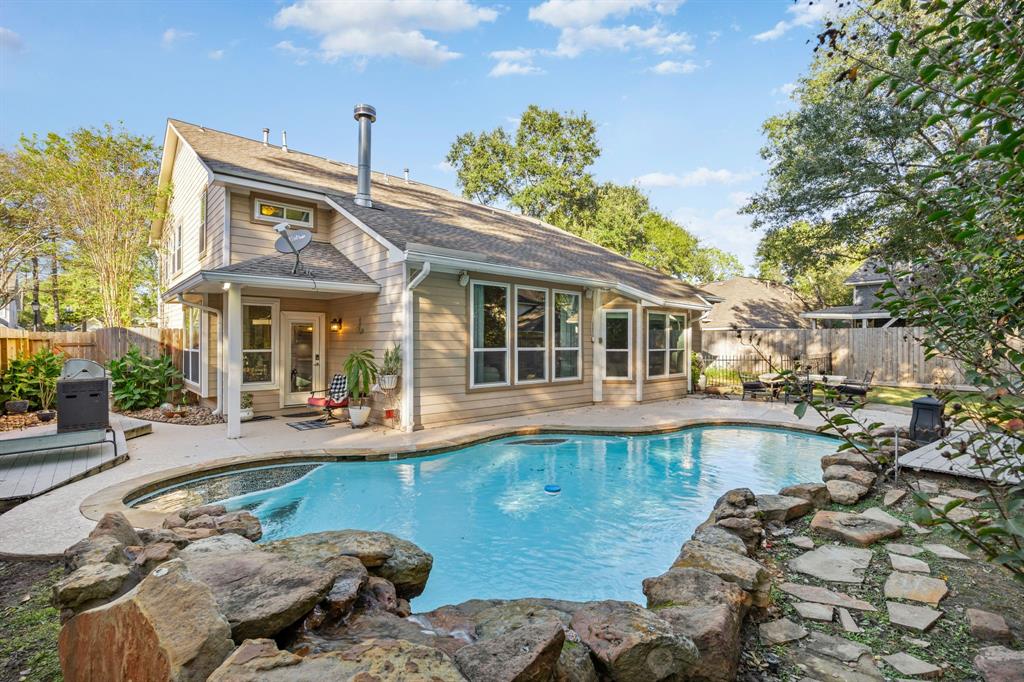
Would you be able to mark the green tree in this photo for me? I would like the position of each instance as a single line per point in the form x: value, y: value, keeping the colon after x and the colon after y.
x: 22, y: 236
x: 790, y: 256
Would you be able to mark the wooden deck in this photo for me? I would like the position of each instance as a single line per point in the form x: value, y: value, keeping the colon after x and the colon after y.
x: 930, y: 458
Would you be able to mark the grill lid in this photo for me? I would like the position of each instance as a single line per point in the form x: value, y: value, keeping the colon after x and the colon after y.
x: 79, y: 368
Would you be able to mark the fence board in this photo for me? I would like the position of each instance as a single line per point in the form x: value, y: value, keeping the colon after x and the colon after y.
x: 893, y: 354
x: 101, y: 345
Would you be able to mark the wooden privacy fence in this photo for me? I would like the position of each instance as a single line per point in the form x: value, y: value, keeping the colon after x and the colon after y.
x: 101, y: 345
x: 893, y: 354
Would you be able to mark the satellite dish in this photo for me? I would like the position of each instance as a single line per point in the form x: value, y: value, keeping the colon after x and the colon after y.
x: 293, y: 241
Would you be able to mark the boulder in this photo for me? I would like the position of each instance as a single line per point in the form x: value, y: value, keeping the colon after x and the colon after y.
x: 631, y: 643
x: 99, y: 550
x: 153, y: 555
x: 117, y: 526
x: 749, y: 530
x: 172, y: 521
x: 202, y: 510
x: 853, y: 528
x: 193, y: 534
x: 845, y: 492
x: 240, y: 523
x: 782, y: 508
x: 720, y: 537
x: 377, y: 594
x: 842, y: 472
x: 850, y: 458
x: 816, y: 493
x: 349, y: 577
x: 360, y: 627
x: 401, y: 562
x: 219, y: 543
x: 204, y: 521
x: 380, y: 660
x: 738, y: 498
x: 988, y: 626
x: 89, y: 583
x: 999, y: 664
x: 526, y: 654
x: 574, y: 664
x: 260, y: 593
x: 729, y: 566
x: 707, y: 610
x: 151, y: 536
x: 166, y: 628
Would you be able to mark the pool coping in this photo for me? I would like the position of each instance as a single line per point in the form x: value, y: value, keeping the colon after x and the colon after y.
x: 114, y: 497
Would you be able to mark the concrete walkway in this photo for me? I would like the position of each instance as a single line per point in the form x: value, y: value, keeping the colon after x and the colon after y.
x: 48, y: 524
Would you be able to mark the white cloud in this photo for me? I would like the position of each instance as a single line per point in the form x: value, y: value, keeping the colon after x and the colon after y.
x: 723, y: 228
x: 699, y: 177
x: 174, y: 35
x: 803, y: 13
x: 444, y: 166
x: 569, y: 13
x: 713, y: 37
x: 301, y: 55
x: 383, y: 28
x: 216, y: 55
x: 10, y: 41
x: 517, y: 62
x: 670, y: 68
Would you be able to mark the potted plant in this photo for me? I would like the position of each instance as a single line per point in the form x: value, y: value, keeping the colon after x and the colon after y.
x: 245, y: 414
x: 697, y: 371
x: 47, y: 394
x: 390, y: 368
x: 362, y: 372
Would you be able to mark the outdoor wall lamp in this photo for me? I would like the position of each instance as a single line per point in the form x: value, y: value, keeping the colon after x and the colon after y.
x: 336, y: 324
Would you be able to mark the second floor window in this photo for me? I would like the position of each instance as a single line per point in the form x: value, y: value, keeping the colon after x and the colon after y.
x: 278, y: 212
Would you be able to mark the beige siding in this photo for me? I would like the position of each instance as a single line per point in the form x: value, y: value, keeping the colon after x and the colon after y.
x: 188, y: 178
x: 214, y: 256
x: 250, y: 239
x: 442, y: 332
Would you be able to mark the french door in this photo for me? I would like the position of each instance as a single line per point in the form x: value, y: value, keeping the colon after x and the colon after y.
x: 302, y: 344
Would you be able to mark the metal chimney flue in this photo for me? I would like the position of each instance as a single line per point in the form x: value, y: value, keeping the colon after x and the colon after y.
x: 406, y: 172
x: 284, y: 140
x: 366, y: 115
x: 266, y: 137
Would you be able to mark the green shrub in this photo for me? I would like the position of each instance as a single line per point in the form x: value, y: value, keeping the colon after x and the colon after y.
x: 33, y: 378
x: 140, y: 382
x: 362, y: 371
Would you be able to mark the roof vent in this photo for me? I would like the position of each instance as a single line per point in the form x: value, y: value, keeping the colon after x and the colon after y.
x: 406, y: 172
x: 284, y: 140
x: 366, y: 115
x: 266, y: 137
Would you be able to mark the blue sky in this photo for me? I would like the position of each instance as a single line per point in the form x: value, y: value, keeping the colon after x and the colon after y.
x: 678, y: 89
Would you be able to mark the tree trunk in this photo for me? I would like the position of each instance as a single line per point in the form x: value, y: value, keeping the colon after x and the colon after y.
x: 35, y: 294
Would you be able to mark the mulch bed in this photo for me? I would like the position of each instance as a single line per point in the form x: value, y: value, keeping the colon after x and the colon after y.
x: 194, y: 416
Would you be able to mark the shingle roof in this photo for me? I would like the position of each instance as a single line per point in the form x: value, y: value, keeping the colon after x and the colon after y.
x: 866, y: 273
x: 319, y: 261
x: 417, y: 214
x: 751, y: 303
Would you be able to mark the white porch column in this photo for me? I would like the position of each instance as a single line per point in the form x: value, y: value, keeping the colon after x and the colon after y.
x: 639, y: 351
x: 408, y: 401
x: 597, y: 345
x: 233, y: 325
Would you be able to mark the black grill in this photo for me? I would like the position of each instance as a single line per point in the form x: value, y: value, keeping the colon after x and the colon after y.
x: 82, y: 397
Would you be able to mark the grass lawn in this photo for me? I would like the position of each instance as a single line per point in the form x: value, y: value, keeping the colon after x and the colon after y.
x: 892, y: 395
x: 28, y: 624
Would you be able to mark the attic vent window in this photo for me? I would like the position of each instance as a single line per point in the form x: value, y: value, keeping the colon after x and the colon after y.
x: 296, y: 216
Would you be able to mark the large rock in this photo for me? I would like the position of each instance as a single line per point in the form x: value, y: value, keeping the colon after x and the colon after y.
x: 167, y: 628
x: 845, y: 492
x: 98, y: 550
x: 153, y: 555
x: 841, y: 472
x: 117, y: 526
x: 915, y: 588
x: 152, y: 536
x: 631, y: 643
x: 729, y: 566
x: 853, y: 528
x: 749, y: 530
x: 988, y: 626
x: 217, y: 544
x: 383, y: 660
x: 384, y: 555
x: 526, y: 654
x: 260, y: 593
x: 782, y: 508
x: 816, y: 493
x: 720, y: 537
x: 202, y: 510
x: 707, y: 610
x: 999, y: 664
x: 89, y: 583
x: 240, y: 523
x: 850, y: 458
x: 832, y: 563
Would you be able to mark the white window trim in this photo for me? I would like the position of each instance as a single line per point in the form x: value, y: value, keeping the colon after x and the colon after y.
x: 275, y: 321
x: 204, y: 214
x: 177, y: 259
x: 629, y: 342
x: 258, y: 201
x: 579, y: 338
x: 201, y: 387
x: 547, y: 325
x: 667, y: 349
x: 472, y: 335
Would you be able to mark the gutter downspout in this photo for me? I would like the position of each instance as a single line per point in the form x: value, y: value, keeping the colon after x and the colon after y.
x: 408, y: 404
x: 220, y: 347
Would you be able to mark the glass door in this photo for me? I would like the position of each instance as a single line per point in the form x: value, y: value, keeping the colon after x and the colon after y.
x: 303, y: 370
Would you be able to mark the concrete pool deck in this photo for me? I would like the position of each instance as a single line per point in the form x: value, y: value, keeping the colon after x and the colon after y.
x: 46, y: 525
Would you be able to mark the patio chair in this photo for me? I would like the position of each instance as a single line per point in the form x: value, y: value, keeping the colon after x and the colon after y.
x: 754, y: 387
x: 853, y: 390
x: 804, y: 388
x: 335, y: 397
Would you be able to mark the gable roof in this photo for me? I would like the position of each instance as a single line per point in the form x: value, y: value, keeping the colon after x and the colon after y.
x: 414, y: 217
x: 751, y: 303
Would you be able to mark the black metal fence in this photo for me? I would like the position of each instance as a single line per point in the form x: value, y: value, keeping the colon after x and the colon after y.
x: 725, y: 371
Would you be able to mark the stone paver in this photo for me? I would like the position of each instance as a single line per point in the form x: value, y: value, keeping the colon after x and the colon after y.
x: 802, y: 541
x: 999, y: 664
x: 893, y: 496
x: 905, y: 550
x: 946, y: 552
x: 823, y: 595
x: 813, y: 611
x: 838, y: 648
x: 915, y: 588
x: 968, y: 495
x: 918, y: 618
x: 911, y: 665
x: 880, y: 514
x: 961, y: 513
x: 780, y: 631
x: 908, y: 564
x: 919, y: 643
x: 824, y: 669
x: 918, y: 529
x: 988, y: 626
x: 847, y: 621
x: 924, y: 486
x: 834, y: 564
x: 853, y: 528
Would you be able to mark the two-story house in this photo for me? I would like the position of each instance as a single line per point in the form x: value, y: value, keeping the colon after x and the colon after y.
x: 497, y: 314
x: 863, y: 312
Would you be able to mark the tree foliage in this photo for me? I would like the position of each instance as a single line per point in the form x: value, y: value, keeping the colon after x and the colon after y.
x: 789, y: 255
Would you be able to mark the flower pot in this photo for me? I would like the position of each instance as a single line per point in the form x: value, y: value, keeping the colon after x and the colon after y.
x: 46, y: 415
x: 359, y: 416
x: 388, y: 382
x: 702, y: 382
x: 16, y: 406
x: 245, y: 414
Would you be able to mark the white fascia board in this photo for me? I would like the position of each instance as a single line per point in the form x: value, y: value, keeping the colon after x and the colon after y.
x: 846, y: 316
x: 267, y: 282
x: 395, y: 254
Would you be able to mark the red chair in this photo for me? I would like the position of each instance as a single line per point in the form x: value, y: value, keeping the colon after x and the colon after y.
x: 334, y: 397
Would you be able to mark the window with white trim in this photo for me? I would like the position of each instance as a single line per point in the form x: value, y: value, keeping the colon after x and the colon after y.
x: 191, y: 344
x: 258, y: 343
x: 489, y: 314
x: 176, y: 247
x: 568, y: 350
x: 618, y: 344
x: 203, y: 200
x: 666, y: 345
x: 276, y: 211
x: 531, y: 334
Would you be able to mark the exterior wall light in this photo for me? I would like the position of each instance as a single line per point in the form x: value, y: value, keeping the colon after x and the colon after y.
x: 336, y: 324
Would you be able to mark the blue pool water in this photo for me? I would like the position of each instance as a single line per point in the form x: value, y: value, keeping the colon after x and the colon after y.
x: 625, y: 507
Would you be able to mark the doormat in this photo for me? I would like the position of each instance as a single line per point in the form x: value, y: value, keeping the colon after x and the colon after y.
x: 307, y: 413
x: 262, y: 417
x: 309, y: 425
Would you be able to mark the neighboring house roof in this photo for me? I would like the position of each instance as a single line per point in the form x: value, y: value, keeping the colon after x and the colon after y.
x: 319, y: 261
x: 417, y: 217
x: 751, y: 303
x: 847, y: 312
x: 867, y: 274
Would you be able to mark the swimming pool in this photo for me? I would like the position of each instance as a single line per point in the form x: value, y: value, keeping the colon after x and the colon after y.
x: 627, y: 503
